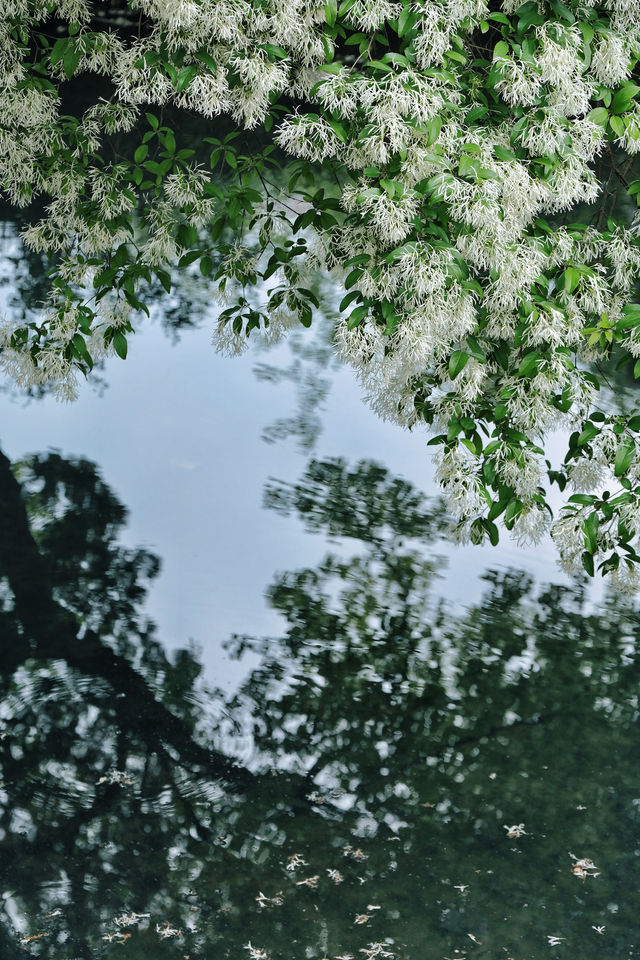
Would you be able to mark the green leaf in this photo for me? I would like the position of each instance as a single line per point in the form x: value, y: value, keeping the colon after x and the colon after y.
x: 350, y: 297
x: 406, y: 20
x: 587, y: 563
x: 529, y: 14
x: 501, y: 153
x: 476, y: 350
x: 164, y: 278
x: 571, y: 279
x: 624, y: 456
x: 217, y: 227
x: 207, y: 59
x: 352, y: 278
x: 590, y: 431
x: 486, y: 173
x: 305, y: 316
x: 141, y: 153
x: 120, y: 344
x: 153, y: 167
x: 80, y: 349
x: 468, y: 166
x: 310, y: 295
x: 590, y: 530
x: 500, y: 50
x: 399, y: 58
x: 379, y: 65
x: 339, y: 130
x: 331, y: 11
x: 497, y: 507
x: 58, y: 50
x: 587, y: 32
x: 492, y: 531
x: 454, y: 428
x: 529, y: 364
x: 185, y: 77
x: 611, y: 563
x: 584, y: 498
x: 513, y: 511
x: 189, y: 258
x: 618, y: 126
x: 457, y: 362
x: 622, y: 99
x: 600, y: 116
x: 274, y: 51
x: 432, y: 128
x: 71, y: 60
x: 356, y: 317
x: 562, y: 11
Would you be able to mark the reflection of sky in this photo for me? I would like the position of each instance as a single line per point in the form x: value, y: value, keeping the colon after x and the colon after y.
x: 177, y: 435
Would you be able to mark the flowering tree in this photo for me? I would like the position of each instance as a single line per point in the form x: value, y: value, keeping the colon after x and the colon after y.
x: 431, y: 154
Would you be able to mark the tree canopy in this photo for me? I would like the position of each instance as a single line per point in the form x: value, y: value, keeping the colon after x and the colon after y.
x: 464, y: 169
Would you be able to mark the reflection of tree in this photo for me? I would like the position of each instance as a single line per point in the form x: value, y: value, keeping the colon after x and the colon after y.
x: 376, y: 689
x: 312, y: 357
x: 76, y: 594
x: 87, y: 690
x: 399, y: 727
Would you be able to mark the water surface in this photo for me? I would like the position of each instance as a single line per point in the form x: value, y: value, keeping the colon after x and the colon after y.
x: 254, y: 704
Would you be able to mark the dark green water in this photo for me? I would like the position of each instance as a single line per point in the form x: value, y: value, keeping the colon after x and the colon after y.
x: 396, y: 776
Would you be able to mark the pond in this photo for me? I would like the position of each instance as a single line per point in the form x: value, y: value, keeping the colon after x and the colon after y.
x: 255, y: 705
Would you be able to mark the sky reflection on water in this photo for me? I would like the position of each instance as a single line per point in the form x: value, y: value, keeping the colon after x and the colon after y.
x: 178, y: 434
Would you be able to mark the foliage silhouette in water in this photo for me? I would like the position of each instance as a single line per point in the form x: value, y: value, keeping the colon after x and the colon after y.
x: 422, y: 730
